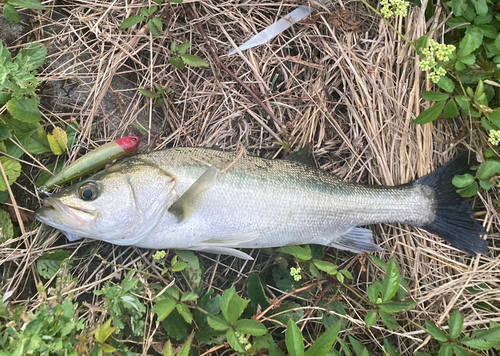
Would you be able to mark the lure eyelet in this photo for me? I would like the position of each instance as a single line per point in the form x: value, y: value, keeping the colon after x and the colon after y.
x: 88, y: 190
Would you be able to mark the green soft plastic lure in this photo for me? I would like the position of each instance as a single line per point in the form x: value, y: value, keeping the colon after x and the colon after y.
x: 96, y: 159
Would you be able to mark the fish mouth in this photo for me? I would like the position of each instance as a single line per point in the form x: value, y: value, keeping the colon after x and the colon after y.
x: 54, y: 213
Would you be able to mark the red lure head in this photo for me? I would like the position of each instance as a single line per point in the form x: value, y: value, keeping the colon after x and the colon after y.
x: 129, y: 143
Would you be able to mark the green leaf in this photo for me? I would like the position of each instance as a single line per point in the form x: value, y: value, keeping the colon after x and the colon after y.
x: 217, y: 323
x: 168, y: 351
x: 456, y: 323
x: 325, y: 266
x: 29, y: 4
x: 371, y: 318
x: 445, y: 350
x: 149, y: 93
x: 487, y: 124
x: 466, y: 47
x: 131, y: 21
x: 469, y: 59
x: 233, y: 341
x: 193, y: 270
x: 468, y: 191
x: 50, y: 262
x: 459, y: 351
x: 488, y: 31
x: 421, y: 44
x: 488, y: 169
x: 446, y: 84
x: 388, y: 320
x: 463, y: 102
x: 232, y: 305
x: 483, y: 339
x: 358, y: 347
x: 36, y: 142
x: 164, y: 307
x: 476, y: 33
x: 458, y: 7
x: 58, y: 140
x: 175, y: 326
x: 294, y: 340
x: 186, y: 347
x: 248, y: 326
x: 177, y: 62
x: 24, y: 109
x: 430, y: 114
x: 153, y: 26
x: 193, y: 61
x: 173, y: 46
x: 183, y: 47
x: 273, y: 349
x: 396, y: 307
x: 450, y: 110
x: 457, y: 21
x: 10, y: 13
x: 189, y: 296
x: 104, y: 332
x: 463, y: 180
x: 435, y: 331
x: 481, y: 7
x: 302, y: 253
x: 12, y: 169
x: 36, y: 53
x: 256, y: 292
x: 6, y: 227
x: 391, y: 282
x: 179, y: 266
x: 435, y: 96
x: 184, y: 311
x: 325, y: 342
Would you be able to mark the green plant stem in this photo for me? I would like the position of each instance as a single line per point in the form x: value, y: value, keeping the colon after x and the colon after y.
x: 389, y: 24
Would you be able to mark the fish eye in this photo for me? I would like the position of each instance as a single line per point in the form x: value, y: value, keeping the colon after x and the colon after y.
x: 88, y: 190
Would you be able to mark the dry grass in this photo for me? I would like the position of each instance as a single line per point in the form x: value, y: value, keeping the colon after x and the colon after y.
x: 353, y: 93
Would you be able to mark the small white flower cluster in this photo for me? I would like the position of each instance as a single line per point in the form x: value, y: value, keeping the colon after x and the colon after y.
x: 295, y: 273
x: 435, y: 52
x: 243, y: 340
x: 394, y: 7
x: 494, y: 138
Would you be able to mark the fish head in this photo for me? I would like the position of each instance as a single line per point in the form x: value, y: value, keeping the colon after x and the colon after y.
x: 120, y: 205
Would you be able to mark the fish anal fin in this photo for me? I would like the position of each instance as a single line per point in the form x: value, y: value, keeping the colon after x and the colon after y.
x: 304, y: 155
x: 193, y: 197
x: 357, y: 240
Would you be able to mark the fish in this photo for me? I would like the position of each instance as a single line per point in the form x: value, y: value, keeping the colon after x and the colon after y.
x: 219, y: 202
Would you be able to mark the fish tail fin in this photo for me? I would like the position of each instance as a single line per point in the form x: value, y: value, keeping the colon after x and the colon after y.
x: 454, y: 220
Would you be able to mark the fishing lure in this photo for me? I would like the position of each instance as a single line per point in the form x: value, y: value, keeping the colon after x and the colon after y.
x: 96, y: 159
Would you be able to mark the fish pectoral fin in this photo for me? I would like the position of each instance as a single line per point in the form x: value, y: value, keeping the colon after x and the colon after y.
x: 304, y: 155
x: 72, y: 237
x: 220, y: 250
x: 357, y: 240
x: 193, y: 197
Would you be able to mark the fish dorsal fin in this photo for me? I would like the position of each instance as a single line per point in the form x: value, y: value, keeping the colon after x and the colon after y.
x: 192, y: 198
x: 357, y: 240
x: 304, y: 155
